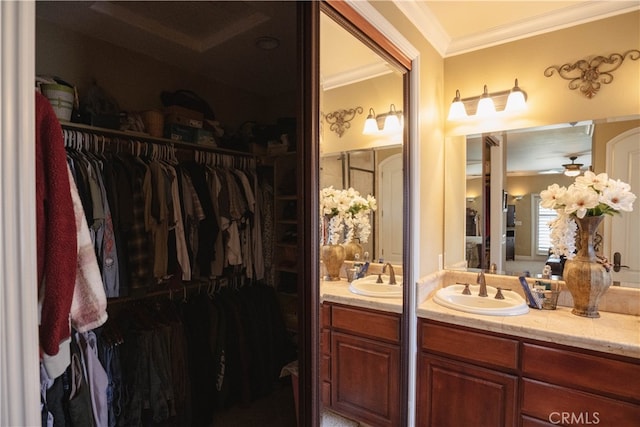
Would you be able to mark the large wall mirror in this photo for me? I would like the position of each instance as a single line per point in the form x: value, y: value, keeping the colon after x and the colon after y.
x: 359, y: 81
x: 504, y: 224
x: 356, y: 82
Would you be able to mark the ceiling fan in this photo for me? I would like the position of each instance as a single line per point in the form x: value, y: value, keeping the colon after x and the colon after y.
x: 573, y: 168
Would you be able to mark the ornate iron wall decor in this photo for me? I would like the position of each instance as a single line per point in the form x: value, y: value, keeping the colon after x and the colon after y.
x: 340, y: 119
x: 588, y: 75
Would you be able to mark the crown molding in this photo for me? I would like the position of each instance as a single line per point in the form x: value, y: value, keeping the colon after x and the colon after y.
x: 367, y: 11
x: 426, y: 22
x: 354, y: 76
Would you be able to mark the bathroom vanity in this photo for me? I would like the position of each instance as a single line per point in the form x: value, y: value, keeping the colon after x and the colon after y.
x: 360, y: 360
x: 542, y: 368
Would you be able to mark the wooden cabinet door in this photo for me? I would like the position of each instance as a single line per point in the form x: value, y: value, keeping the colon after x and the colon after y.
x: 459, y: 394
x: 365, y: 379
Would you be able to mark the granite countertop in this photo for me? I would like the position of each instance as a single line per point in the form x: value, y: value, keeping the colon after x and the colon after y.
x: 611, y: 333
x: 338, y: 292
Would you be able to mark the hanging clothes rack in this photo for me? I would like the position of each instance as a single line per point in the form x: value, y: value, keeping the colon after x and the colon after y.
x: 87, y: 137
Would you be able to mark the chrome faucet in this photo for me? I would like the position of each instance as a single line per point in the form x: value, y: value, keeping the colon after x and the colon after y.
x: 483, y: 284
x: 392, y: 274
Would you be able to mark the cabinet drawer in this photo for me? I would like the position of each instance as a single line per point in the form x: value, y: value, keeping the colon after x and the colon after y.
x: 561, y: 405
x: 366, y: 323
x: 576, y: 370
x: 475, y: 347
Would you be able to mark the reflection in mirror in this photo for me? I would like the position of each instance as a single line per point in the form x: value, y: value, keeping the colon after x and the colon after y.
x: 508, y: 219
x: 356, y: 79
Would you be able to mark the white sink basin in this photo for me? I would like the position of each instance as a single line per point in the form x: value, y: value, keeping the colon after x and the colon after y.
x: 367, y: 286
x: 451, y: 296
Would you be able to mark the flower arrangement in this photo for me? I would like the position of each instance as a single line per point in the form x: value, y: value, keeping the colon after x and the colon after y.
x: 345, y: 215
x: 589, y: 195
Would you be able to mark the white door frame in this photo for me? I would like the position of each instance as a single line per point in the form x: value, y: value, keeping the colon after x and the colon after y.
x: 19, y: 349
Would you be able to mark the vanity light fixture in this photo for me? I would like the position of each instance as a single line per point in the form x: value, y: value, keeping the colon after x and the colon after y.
x: 518, y: 198
x: 391, y: 122
x: 471, y: 199
x: 487, y: 104
x: 573, y: 168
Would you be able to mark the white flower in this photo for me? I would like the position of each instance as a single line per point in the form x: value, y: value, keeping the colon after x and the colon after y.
x: 345, y: 215
x: 618, y: 196
x: 552, y: 196
x: 589, y: 195
x: 579, y: 200
x: 590, y: 179
x: 563, y: 236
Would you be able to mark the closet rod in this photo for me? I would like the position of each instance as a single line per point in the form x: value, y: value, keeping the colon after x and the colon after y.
x: 170, y: 290
x: 151, y: 139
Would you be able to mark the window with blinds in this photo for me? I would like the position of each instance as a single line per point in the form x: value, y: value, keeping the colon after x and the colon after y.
x: 543, y: 217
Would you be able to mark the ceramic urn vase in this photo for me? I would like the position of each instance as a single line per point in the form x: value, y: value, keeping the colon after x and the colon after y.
x: 351, y: 249
x: 585, y: 277
x: 333, y: 257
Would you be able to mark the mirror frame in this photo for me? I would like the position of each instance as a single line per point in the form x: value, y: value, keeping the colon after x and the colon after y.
x: 308, y: 191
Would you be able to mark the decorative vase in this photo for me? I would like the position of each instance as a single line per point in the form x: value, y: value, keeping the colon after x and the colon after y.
x: 332, y: 258
x: 586, y: 278
x: 351, y: 249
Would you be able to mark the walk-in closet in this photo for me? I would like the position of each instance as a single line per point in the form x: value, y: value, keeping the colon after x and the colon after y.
x: 180, y: 155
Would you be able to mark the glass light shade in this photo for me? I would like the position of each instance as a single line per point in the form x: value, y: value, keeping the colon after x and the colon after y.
x: 516, y: 100
x: 486, y: 106
x: 572, y: 172
x: 457, y: 111
x: 392, y: 123
x: 370, y: 125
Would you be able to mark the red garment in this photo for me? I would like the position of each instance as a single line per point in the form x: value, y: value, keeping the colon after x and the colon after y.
x: 56, y: 229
